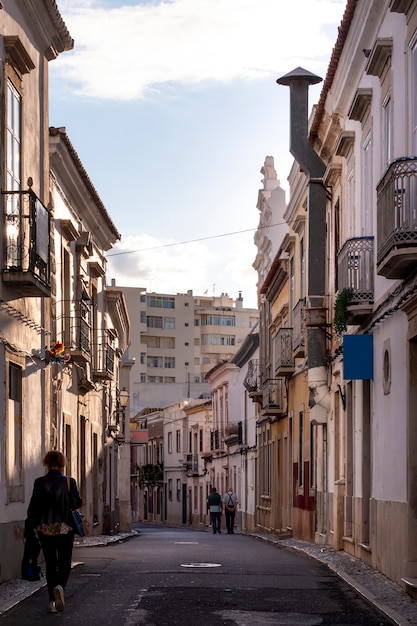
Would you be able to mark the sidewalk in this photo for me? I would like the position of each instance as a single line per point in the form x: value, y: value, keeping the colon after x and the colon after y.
x: 14, y: 591
x: 386, y: 595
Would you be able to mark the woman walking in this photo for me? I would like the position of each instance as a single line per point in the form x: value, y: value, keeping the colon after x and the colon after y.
x: 54, y: 497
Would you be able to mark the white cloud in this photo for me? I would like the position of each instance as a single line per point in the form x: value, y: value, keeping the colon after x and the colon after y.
x: 159, y: 265
x: 126, y: 52
x: 165, y: 266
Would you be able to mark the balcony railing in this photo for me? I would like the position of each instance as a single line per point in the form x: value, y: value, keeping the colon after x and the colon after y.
x: 356, y: 268
x: 192, y: 464
x: 81, y: 333
x: 27, y: 263
x: 104, y: 361
x: 284, y: 359
x: 298, y: 337
x: 252, y: 382
x: 273, y: 396
x: 397, y: 219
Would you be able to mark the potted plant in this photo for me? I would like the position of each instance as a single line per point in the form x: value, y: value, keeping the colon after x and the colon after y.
x: 340, y: 310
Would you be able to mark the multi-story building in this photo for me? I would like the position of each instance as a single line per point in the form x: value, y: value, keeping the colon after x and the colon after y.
x: 62, y: 331
x: 88, y: 422
x: 32, y: 33
x: 350, y: 398
x: 364, y: 129
x: 177, y: 340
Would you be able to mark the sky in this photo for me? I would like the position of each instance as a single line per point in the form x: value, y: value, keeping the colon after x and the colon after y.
x: 172, y: 107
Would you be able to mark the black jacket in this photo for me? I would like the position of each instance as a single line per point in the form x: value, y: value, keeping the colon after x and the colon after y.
x: 51, y: 501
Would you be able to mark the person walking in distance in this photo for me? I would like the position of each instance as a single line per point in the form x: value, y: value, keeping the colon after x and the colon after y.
x: 214, y: 504
x: 230, y: 504
x: 53, y: 498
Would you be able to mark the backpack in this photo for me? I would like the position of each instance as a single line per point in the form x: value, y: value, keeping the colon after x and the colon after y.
x: 230, y: 506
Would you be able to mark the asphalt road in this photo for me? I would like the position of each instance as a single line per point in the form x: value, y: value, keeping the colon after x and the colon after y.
x: 185, y: 577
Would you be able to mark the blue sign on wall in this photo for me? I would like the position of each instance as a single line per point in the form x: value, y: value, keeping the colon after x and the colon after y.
x: 358, y: 357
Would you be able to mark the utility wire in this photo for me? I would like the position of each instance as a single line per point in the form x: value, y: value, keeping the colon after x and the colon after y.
x: 182, y: 243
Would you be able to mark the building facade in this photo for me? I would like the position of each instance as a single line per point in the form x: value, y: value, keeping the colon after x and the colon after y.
x: 31, y: 35
x: 62, y: 331
x: 178, y: 339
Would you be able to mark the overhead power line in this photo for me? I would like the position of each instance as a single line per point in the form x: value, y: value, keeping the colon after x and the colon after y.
x: 182, y: 243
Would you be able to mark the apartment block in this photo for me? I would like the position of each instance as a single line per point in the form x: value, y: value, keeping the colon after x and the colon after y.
x: 177, y: 338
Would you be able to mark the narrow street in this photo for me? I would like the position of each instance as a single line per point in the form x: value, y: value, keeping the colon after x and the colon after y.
x: 189, y: 577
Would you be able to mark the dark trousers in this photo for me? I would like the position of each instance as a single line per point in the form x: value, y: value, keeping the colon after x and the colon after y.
x: 57, y: 551
x: 230, y: 520
x: 215, y: 521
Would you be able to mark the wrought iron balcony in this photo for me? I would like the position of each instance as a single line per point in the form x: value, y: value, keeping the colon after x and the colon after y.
x: 27, y: 264
x: 397, y: 219
x: 273, y: 397
x: 81, y: 334
x: 284, y: 359
x: 356, y: 272
x: 298, y: 337
x: 191, y: 465
x: 104, y: 358
x: 252, y: 382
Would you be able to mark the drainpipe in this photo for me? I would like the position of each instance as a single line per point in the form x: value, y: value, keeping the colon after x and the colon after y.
x: 298, y: 81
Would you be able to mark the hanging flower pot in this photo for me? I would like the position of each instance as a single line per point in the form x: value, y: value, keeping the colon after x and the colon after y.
x: 57, y: 355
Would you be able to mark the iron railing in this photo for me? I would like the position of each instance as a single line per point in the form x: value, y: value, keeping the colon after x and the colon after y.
x: 298, y: 337
x: 397, y: 207
x: 27, y: 236
x: 356, y: 268
x: 252, y: 381
x: 284, y: 359
x: 272, y: 396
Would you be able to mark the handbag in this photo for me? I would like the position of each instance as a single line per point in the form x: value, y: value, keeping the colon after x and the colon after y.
x: 80, y: 523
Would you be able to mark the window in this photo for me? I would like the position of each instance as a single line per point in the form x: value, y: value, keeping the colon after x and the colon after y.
x: 218, y: 320
x: 186, y: 343
x: 178, y: 440
x: 13, y: 143
x: 143, y: 358
x: 161, y: 302
x: 142, y: 298
x: 200, y: 435
x: 179, y: 489
x: 367, y: 186
x: 301, y: 449
x: 169, y: 322
x: 14, y: 435
x: 387, y: 128
x: 186, y: 364
x: 186, y: 324
x: 292, y: 284
x: 154, y: 361
x: 169, y: 488
x: 302, y: 268
x: 155, y: 379
x: 196, y: 322
x: 218, y: 340
x: 153, y: 321
x: 169, y: 362
x: 313, y: 430
x: 196, y: 379
x: 143, y: 317
x: 143, y: 378
x: 13, y: 165
x: 170, y: 442
x: 415, y: 97
x: 169, y: 379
